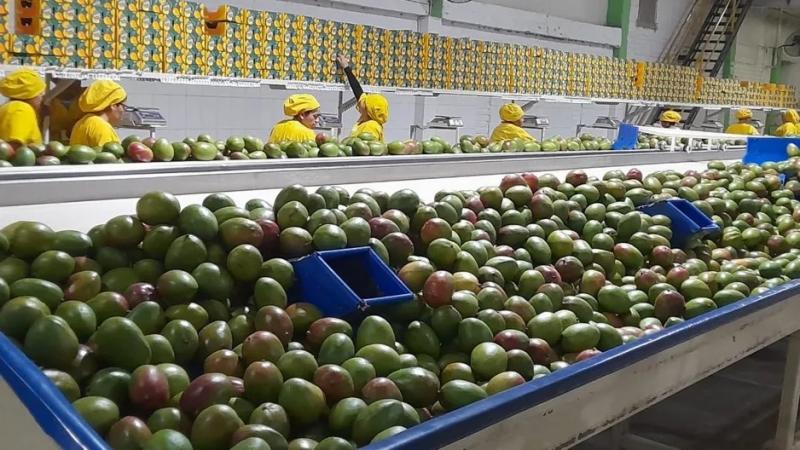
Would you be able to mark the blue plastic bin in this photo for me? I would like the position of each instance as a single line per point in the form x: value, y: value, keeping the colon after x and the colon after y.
x: 627, y: 137
x: 688, y: 222
x: 767, y: 149
x: 345, y: 282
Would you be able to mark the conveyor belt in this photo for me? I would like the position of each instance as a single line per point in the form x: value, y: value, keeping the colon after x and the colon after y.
x: 54, y: 184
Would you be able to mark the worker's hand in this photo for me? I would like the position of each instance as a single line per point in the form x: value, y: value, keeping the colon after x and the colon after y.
x: 342, y: 61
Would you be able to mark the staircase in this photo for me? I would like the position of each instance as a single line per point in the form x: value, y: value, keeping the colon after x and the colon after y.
x: 711, y: 45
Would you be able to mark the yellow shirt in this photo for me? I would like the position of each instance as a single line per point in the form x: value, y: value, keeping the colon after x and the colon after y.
x: 93, y: 131
x: 506, y: 131
x: 787, y: 129
x: 291, y: 130
x: 62, y: 119
x: 18, y: 123
x: 742, y: 128
x: 372, y: 127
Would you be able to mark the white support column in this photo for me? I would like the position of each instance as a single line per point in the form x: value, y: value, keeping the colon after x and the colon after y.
x: 426, y: 24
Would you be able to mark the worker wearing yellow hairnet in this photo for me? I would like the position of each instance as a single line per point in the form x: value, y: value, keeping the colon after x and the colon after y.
x: 103, y: 105
x: 65, y: 112
x: 669, y: 119
x: 743, y: 126
x: 303, y: 111
x: 510, y: 124
x: 19, y: 122
x: 373, y: 109
x: 791, y: 124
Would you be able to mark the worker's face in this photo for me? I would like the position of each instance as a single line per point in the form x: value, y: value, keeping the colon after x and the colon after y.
x: 517, y: 122
x: 115, y: 113
x: 362, y: 110
x: 309, y: 118
x: 667, y: 124
x: 36, y: 102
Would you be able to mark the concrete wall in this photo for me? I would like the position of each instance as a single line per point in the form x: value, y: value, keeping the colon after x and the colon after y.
x: 648, y: 44
x: 578, y: 10
x: 762, y: 31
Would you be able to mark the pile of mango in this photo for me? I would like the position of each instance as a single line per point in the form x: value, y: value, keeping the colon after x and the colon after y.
x: 205, y: 148
x: 177, y: 327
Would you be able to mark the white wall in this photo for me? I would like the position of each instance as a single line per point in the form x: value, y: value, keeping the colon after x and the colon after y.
x: 577, y: 10
x: 762, y: 30
x: 647, y: 44
x: 754, y: 45
x: 191, y: 110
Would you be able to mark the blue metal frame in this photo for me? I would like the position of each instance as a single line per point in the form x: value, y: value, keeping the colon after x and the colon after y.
x: 460, y: 423
x: 54, y: 414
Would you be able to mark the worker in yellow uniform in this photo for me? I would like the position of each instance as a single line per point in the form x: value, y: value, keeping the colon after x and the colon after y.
x: 103, y: 105
x: 743, y: 126
x: 19, y: 120
x: 303, y: 110
x: 65, y: 111
x: 373, y: 108
x: 669, y: 119
x: 510, y: 124
x: 791, y: 124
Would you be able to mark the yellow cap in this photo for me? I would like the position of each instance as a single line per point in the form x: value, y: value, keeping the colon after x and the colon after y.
x: 791, y: 116
x: 23, y: 84
x: 100, y: 95
x: 670, y: 116
x: 744, y: 114
x: 299, y: 103
x: 377, y: 107
x: 511, y: 112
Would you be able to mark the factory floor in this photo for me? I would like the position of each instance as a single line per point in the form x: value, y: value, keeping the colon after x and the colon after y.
x: 734, y: 409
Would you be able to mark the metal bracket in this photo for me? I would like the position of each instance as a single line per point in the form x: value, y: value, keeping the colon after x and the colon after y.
x: 528, y: 105
x: 59, y: 88
x: 344, y: 106
x: 50, y: 94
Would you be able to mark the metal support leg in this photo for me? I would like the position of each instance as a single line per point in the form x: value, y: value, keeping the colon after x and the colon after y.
x: 617, y: 434
x: 634, y: 442
x: 419, y: 118
x: 621, y: 438
x: 790, y: 396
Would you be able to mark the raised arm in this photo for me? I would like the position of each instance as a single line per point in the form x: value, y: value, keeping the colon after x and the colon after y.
x: 344, y: 63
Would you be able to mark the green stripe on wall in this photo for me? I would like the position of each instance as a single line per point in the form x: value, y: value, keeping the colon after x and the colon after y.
x: 436, y: 8
x: 619, y: 15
